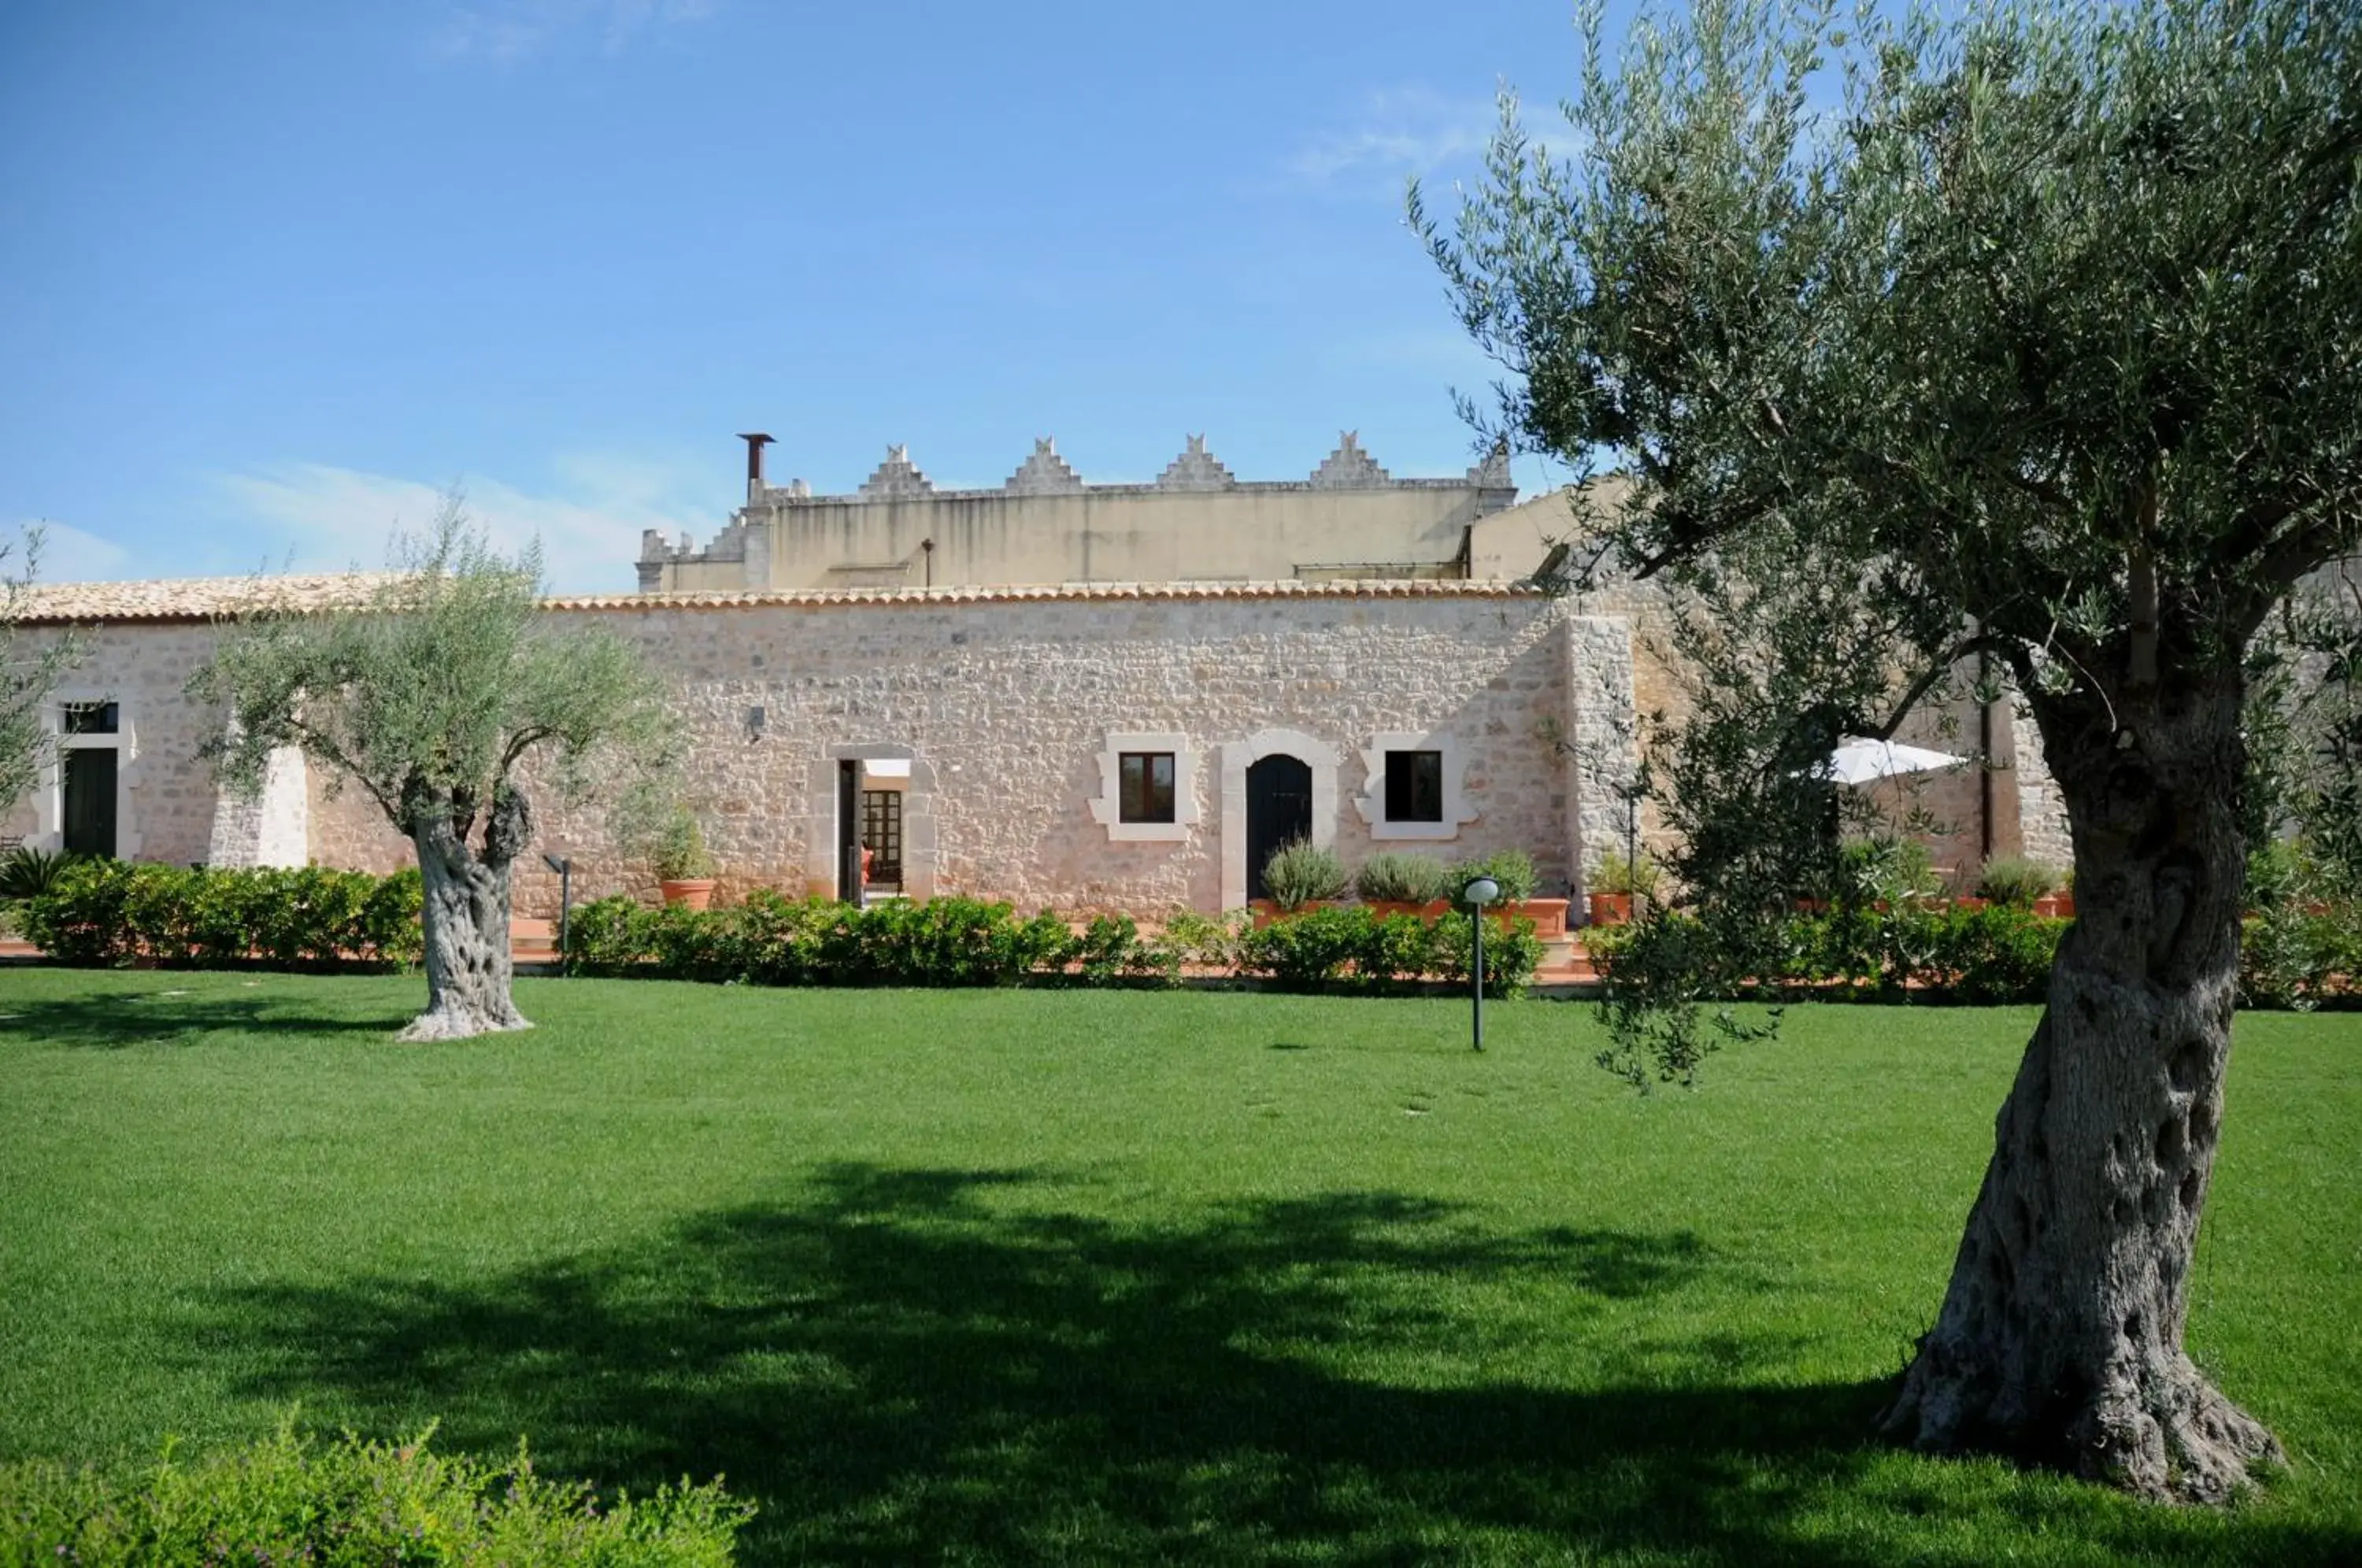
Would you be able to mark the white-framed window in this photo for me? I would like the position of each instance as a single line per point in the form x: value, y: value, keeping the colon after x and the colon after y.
x: 83, y: 802
x: 1413, y: 789
x: 1148, y: 788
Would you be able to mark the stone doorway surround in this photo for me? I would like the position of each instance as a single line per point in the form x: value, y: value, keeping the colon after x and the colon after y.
x: 48, y: 794
x: 1240, y: 755
x: 919, y: 835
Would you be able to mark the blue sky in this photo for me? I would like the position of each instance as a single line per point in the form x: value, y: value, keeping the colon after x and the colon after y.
x: 272, y: 274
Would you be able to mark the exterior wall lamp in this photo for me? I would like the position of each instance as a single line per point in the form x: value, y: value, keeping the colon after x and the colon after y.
x: 1480, y: 892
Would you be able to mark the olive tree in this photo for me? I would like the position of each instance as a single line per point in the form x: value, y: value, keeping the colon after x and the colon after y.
x: 2036, y: 334
x: 29, y: 669
x: 432, y: 695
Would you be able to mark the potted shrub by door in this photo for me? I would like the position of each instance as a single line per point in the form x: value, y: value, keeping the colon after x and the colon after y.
x: 1391, y: 883
x: 1299, y: 876
x: 684, y: 870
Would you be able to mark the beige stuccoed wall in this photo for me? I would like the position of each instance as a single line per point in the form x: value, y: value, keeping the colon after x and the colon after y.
x: 1105, y: 535
x: 1006, y: 705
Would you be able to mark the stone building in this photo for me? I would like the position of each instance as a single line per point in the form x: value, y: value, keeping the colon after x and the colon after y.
x: 1083, y: 747
x: 1108, y: 697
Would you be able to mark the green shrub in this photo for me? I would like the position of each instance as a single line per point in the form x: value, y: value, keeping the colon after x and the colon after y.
x: 2289, y: 954
x: 284, y: 1499
x: 609, y: 937
x: 1111, y: 952
x: 1394, y: 878
x: 770, y: 941
x: 1618, y: 875
x: 1511, y: 955
x: 82, y: 919
x: 113, y: 912
x: 2016, y: 881
x: 1310, y: 951
x: 1300, y: 872
x: 1885, y: 870
x: 1205, y: 940
x: 1396, y: 949
x: 1512, y: 869
x: 1976, y: 956
x: 29, y: 873
x: 1991, y: 955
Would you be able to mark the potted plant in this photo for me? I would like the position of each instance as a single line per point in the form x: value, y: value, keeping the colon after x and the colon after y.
x: 2059, y: 905
x: 2016, y: 882
x: 1513, y: 869
x: 684, y: 869
x: 1299, y: 875
x: 1616, y: 883
x: 1393, y: 883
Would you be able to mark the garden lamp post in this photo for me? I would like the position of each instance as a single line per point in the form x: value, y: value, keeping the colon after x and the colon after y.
x: 564, y: 870
x: 1479, y: 894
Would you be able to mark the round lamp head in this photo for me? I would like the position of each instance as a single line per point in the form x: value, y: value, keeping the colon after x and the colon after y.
x: 1481, y: 891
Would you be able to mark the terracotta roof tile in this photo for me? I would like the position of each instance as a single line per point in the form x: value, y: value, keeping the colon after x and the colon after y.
x: 204, y: 599
x: 190, y: 598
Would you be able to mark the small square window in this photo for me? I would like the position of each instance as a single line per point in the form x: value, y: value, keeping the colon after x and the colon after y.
x: 1144, y: 781
x: 1414, y: 785
x: 88, y: 718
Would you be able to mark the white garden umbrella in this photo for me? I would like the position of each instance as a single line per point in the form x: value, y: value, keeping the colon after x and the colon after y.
x: 1859, y: 761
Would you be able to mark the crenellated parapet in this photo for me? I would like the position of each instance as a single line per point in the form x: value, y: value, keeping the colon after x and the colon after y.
x: 1197, y: 521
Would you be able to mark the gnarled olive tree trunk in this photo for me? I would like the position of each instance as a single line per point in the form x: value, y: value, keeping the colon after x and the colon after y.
x: 467, y: 918
x: 2060, y: 1336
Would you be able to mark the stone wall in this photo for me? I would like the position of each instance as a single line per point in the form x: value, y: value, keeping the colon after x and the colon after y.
x: 164, y: 791
x: 1005, y: 707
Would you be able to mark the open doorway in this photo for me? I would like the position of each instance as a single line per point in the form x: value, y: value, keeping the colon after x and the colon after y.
x: 872, y: 801
x: 881, y: 828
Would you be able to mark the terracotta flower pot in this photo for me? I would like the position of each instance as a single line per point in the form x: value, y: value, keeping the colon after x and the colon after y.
x: 1381, y: 908
x: 1971, y: 903
x: 1611, y: 909
x: 695, y: 892
x: 1549, y: 915
x: 1267, y: 911
x: 2057, y: 906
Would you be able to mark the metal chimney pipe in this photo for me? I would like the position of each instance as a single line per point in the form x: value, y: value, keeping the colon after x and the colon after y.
x: 755, y: 442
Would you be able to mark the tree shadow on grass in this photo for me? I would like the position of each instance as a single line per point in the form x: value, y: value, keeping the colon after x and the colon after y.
x: 115, y: 1019
x: 910, y: 1365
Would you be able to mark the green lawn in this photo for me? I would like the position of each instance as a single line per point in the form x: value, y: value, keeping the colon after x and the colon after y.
x: 1036, y: 1277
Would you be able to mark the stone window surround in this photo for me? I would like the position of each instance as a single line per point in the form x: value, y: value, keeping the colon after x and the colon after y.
x: 49, y: 795
x: 919, y: 840
x: 1371, y: 801
x: 1240, y: 755
x: 1106, y: 809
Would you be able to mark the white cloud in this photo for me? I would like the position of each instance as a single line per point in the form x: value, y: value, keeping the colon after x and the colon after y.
x: 505, y: 31
x: 1405, y: 131
x: 313, y: 516
x: 68, y: 554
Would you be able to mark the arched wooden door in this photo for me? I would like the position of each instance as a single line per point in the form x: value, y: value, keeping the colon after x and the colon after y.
x: 1279, y: 810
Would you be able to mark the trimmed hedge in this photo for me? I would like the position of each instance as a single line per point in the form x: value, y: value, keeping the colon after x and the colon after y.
x: 1980, y: 957
x: 773, y: 941
x: 115, y: 912
x: 282, y: 1500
